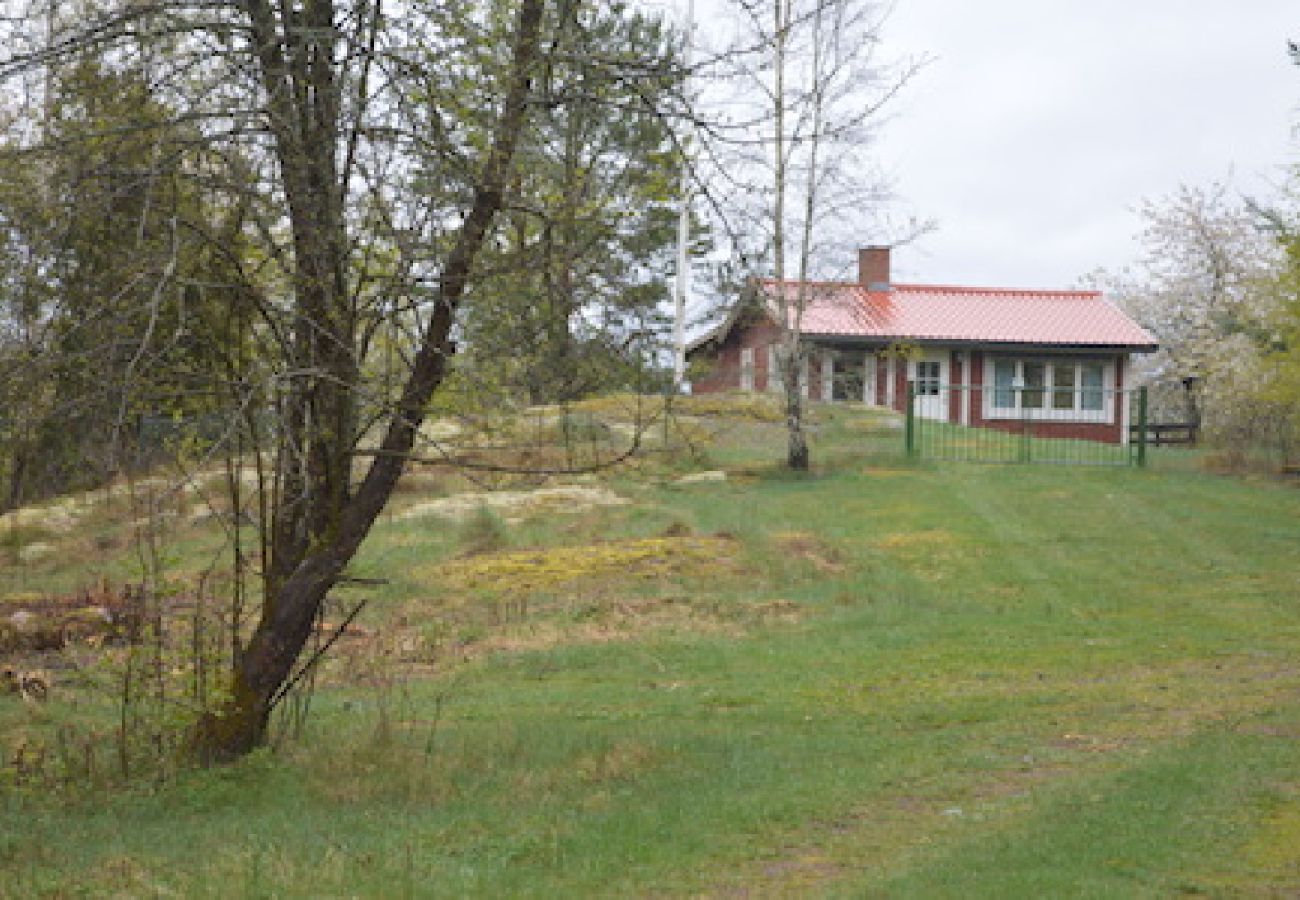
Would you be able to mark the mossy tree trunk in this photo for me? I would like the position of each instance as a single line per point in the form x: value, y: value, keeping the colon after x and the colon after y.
x: 320, y: 522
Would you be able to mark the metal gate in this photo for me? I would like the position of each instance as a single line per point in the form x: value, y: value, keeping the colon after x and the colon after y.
x: 980, y: 423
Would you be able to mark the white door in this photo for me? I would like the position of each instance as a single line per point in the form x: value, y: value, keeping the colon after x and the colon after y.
x: 929, y: 372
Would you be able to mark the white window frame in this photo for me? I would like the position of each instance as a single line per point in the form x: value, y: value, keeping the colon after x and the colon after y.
x: 774, y: 383
x: 1045, y: 413
x: 746, y: 368
x: 927, y: 385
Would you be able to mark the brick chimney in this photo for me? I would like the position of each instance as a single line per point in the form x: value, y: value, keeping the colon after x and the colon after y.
x: 873, y: 268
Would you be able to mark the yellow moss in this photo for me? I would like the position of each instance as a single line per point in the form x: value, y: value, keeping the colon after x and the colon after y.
x: 874, y: 421
x: 548, y: 568
x: 932, y: 554
x: 1275, y: 849
x: 20, y: 598
x: 922, y: 540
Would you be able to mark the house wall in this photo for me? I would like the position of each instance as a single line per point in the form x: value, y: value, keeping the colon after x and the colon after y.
x: 965, y: 368
x: 725, y: 373
x: 955, y: 377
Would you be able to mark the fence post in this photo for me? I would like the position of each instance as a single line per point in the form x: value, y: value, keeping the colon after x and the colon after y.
x: 1142, y: 427
x: 910, y: 434
x: 1025, y: 417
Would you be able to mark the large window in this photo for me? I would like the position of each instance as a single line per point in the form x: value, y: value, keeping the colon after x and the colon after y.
x: 1064, y: 389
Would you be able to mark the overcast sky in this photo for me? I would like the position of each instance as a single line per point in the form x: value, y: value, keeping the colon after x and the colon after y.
x: 1042, y: 124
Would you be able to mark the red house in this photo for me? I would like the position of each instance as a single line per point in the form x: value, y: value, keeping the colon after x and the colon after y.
x: 984, y: 357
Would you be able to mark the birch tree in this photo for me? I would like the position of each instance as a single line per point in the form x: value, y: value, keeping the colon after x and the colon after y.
x: 820, y: 67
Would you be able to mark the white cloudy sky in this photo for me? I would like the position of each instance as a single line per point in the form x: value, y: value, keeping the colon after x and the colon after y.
x: 1042, y: 124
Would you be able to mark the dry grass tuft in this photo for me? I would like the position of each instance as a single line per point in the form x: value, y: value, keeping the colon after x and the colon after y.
x: 517, y: 505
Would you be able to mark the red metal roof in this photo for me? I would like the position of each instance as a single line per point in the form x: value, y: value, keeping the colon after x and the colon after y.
x: 915, y: 312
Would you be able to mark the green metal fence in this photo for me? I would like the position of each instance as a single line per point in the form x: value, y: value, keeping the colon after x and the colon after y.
x: 975, y: 423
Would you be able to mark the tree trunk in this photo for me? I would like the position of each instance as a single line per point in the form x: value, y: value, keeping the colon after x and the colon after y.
x: 797, y: 456
x: 336, y: 531
x: 17, y: 478
x: 790, y: 315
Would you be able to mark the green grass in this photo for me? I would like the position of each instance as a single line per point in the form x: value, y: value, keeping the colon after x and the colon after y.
x: 902, y: 680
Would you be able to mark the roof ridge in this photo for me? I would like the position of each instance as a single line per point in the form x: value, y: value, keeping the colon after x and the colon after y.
x: 945, y: 288
x: 969, y: 289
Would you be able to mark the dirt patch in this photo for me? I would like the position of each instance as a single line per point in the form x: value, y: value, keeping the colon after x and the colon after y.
x: 780, y: 610
x: 35, y: 623
x: 522, y: 627
x: 634, y: 619
x: 810, y: 548
x: 621, y: 762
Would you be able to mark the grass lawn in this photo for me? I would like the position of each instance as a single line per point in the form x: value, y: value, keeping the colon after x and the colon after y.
x: 880, y: 680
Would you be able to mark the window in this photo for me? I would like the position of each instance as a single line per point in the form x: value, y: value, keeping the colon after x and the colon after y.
x: 927, y: 378
x: 1063, y: 386
x: 1093, y: 376
x: 1004, y: 379
x: 1035, y: 376
x: 1065, y: 389
x: 747, y: 368
x: 850, y: 375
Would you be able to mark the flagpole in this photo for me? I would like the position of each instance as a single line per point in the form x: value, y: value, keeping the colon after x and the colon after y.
x: 683, y: 226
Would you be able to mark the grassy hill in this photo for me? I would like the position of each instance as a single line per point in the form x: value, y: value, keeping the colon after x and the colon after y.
x: 880, y: 679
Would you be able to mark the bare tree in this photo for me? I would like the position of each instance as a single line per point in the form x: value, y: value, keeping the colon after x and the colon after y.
x: 817, y: 65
